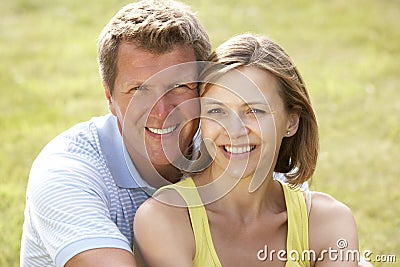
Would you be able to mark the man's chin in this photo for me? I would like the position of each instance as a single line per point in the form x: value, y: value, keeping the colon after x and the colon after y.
x: 161, y: 159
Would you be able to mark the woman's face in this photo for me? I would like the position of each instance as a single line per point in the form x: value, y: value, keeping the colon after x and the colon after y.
x: 243, y: 122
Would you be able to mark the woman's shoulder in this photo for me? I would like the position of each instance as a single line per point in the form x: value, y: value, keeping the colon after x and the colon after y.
x: 161, y: 227
x: 168, y: 203
x: 164, y: 205
x: 325, y: 206
x: 329, y: 212
x: 331, y: 224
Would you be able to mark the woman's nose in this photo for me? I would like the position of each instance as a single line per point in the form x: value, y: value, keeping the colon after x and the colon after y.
x: 236, y: 126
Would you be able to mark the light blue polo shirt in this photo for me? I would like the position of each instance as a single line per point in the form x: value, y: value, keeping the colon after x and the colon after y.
x: 81, y: 195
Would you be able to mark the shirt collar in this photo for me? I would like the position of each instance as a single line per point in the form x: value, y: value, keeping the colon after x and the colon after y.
x: 118, y: 160
x: 135, y: 174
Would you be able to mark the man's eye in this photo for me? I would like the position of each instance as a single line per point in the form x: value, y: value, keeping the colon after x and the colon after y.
x: 178, y: 85
x: 190, y: 86
x: 137, y: 88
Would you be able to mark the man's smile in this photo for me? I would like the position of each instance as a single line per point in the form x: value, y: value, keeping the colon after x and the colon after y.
x: 162, y: 131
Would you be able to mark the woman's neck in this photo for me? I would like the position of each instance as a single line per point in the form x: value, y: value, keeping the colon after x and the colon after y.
x: 241, y: 203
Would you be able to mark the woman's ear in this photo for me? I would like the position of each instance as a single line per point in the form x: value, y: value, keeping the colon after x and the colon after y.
x: 293, y: 124
x: 107, y: 92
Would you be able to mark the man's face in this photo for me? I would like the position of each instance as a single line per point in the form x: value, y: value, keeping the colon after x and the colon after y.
x: 156, y: 101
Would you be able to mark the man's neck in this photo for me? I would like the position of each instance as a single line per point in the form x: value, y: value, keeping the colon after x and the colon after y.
x: 155, y: 175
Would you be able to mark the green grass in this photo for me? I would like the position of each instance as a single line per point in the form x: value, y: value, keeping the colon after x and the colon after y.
x: 347, y: 51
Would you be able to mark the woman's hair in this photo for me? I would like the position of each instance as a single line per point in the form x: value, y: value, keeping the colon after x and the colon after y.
x: 153, y: 25
x: 298, y: 154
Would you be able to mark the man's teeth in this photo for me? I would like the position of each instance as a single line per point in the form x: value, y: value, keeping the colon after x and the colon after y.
x: 238, y: 150
x: 162, y: 131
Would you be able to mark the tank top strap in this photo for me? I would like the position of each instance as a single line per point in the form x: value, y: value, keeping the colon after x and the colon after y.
x: 297, y: 245
x: 205, y: 251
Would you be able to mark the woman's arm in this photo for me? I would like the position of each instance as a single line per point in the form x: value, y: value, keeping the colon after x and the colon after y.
x: 332, y: 232
x: 163, y: 235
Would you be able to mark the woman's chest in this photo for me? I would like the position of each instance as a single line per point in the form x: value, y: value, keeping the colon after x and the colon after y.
x: 256, y: 243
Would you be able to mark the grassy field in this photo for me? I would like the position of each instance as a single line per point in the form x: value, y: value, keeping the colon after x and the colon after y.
x: 347, y: 51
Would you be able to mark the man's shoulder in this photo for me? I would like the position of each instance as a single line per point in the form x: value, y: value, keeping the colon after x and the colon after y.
x: 80, y: 136
x: 73, y: 159
x: 77, y: 147
x: 89, y: 128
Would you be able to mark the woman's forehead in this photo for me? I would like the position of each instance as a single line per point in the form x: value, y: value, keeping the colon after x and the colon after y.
x: 251, y: 84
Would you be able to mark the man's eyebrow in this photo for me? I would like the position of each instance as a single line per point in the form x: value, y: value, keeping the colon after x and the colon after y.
x: 185, y: 79
x: 132, y: 83
x: 184, y: 83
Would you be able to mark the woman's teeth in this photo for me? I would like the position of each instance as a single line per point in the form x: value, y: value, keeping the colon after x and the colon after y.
x: 238, y: 150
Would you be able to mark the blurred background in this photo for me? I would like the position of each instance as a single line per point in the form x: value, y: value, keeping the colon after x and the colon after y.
x: 347, y: 51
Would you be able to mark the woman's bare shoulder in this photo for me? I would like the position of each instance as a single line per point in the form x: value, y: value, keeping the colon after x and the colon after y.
x: 163, y: 232
x: 331, y: 225
x: 167, y: 206
x: 327, y: 210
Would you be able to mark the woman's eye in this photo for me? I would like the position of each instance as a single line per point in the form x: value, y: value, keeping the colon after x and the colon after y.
x: 139, y: 88
x: 256, y: 111
x: 215, y: 111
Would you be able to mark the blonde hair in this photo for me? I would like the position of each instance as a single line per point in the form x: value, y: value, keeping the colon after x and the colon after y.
x: 153, y: 25
x: 298, y: 154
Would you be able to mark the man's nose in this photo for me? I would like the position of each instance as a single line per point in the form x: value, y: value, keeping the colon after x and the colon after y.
x: 163, y: 106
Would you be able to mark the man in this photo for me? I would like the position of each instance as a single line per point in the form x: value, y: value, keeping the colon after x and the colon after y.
x: 86, y: 184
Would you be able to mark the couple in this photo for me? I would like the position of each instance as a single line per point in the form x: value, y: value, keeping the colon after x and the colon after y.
x: 86, y: 185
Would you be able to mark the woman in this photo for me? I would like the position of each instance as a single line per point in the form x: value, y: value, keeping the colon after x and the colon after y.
x: 256, y: 119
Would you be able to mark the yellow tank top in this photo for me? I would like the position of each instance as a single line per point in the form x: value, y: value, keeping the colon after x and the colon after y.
x: 297, y: 238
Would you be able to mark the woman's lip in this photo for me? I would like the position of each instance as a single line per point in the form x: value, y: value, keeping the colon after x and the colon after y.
x: 239, y: 152
x: 238, y: 149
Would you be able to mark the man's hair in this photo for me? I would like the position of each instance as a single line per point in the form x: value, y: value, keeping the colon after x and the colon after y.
x: 298, y: 154
x: 156, y: 26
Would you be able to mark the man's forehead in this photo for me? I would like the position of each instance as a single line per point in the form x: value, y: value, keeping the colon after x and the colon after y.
x: 170, y: 75
x: 144, y: 58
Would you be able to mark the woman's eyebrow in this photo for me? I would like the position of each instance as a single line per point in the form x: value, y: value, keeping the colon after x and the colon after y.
x: 212, y: 102
x: 221, y: 103
x: 255, y: 103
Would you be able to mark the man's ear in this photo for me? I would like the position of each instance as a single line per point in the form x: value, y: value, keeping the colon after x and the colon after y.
x: 110, y: 102
x: 293, y: 124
